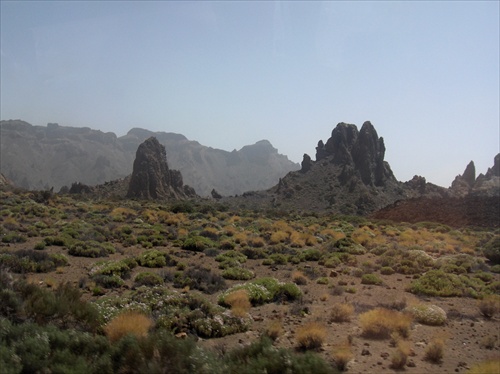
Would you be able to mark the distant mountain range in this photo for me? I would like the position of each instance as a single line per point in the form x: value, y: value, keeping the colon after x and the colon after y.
x: 39, y: 157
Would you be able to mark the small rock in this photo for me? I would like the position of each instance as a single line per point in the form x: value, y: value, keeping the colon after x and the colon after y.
x: 365, y: 352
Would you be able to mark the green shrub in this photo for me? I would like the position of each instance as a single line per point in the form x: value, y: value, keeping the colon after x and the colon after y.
x: 155, y: 259
x: 231, y: 255
x: 40, y: 246
x: 237, y: 273
x: 387, y: 270
x: 31, y: 261
x: 491, y: 250
x: 148, y: 278
x: 439, y: 283
x: 112, y: 268
x: 262, y: 357
x: 371, y: 279
x: 265, y: 290
x: 13, y: 237
x: 90, y: 249
x: 199, y: 278
x: 197, y: 243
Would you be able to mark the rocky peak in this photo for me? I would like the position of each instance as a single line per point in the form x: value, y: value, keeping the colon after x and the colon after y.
x: 495, y: 170
x: 151, y: 176
x: 362, y: 151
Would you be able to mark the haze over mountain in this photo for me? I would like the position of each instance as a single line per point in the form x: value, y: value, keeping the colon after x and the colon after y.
x: 39, y: 157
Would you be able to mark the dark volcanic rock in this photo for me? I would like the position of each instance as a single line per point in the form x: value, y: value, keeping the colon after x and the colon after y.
x: 349, y: 175
x: 306, y: 163
x: 362, y: 150
x: 151, y: 177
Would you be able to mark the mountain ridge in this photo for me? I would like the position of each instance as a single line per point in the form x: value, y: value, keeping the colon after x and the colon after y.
x: 40, y: 157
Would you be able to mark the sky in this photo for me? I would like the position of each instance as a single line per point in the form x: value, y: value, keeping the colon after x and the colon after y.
x: 228, y: 74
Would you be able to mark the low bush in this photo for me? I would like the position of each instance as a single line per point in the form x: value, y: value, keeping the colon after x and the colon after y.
x: 275, y: 329
x: 237, y: 273
x: 265, y: 290
x: 434, y: 351
x: 387, y: 270
x: 129, y: 322
x: 199, y: 278
x: 371, y: 279
x: 31, y: 261
x: 197, y: 243
x: 489, y: 305
x: 154, y: 258
x: 148, y: 278
x: 439, y: 283
x: 426, y: 314
x: 380, y: 323
x: 341, y: 312
x: 299, y: 278
x: 399, y: 357
x: 342, y: 354
x: 262, y: 357
x: 239, y: 302
x: 91, y: 249
x: 491, y: 250
x: 311, y: 336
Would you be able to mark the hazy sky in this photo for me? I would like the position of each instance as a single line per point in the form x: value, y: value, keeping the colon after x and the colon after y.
x: 227, y: 74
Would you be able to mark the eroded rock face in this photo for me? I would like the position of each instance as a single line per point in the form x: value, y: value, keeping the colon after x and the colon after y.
x: 362, y: 151
x: 464, y: 183
x: 484, y: 185
x: 151, y: 176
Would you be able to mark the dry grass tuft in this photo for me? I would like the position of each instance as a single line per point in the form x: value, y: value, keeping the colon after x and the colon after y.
x: 311, y: 335
x: 342, y: 354
x: 435, y: 350
x: 275, y: 329
x: 380, y: 323
x: 489, y: 306
x: 341, y: 312
x: 131, y: 322
x: 239, y: 302
x: 400, y: 355
x: 299, y: 278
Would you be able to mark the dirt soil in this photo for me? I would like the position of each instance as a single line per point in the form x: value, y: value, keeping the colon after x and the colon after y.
x: 464, y: 333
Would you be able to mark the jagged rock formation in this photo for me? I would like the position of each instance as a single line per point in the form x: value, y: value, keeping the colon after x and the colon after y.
x: 362, y: 151
x: 464, y: 183
x: 470, y: 201
x: 484, y: 185
x: 151, y: 177
x: 349, y: 175
x: 39, y: 157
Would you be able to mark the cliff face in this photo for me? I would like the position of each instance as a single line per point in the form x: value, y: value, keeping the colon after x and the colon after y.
x: 39, y: 157
x: 151, y: 177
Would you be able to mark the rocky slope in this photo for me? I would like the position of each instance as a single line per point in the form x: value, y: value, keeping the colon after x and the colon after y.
x: 38, y: 157
x: 350, y: 176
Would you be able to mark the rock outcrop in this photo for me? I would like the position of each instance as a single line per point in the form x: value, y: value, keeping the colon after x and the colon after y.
x: 484, y: 185
x: 151, y: 177
x: 362, y: 151
x: 349, y: 176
